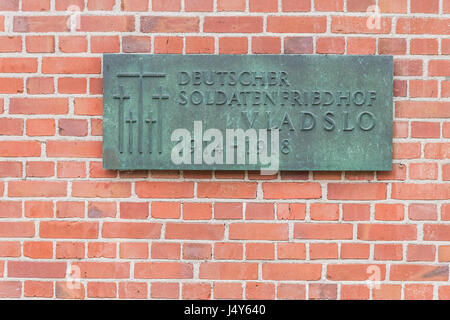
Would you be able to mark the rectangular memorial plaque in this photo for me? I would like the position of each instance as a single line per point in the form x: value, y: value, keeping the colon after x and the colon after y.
x: 247, y: 112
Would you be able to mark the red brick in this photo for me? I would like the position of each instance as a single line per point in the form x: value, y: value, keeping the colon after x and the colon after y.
x: 322, y: 291
x: 96, y: 171
x: 356, y: 191
x: 70, y: 209
x: 68, y: 230
x: 18, y: 65
x: 197, y: 211
x: 74, y: 149
x: 403, y: 67
x: 73, y: 44
x: 388, y: 252
x: 16, y: 229
x: 263, y: 5
x: 11, y: 127
x: 71, y: 65
x: 291, y: 211
x: 422, y: 211
x: 387, y: 292
x: 41, y: 85
x: 40, y: 169
x: 165, y: 290
x: 266, y: 45
x: 166, y: 5
x: 422, y: 26
x: 10, y: 169
x: 133, y: 44
x: 69, y: 290
x: 196, y: 291
x: 422, y: 109
x: 230, y: 5
x: 38, y: 209
x: 439, y: 68
x: 389, y: 6
x: 163, y: 270
x: 424, y: 191
x: 291, y: 190
x: 353, y: 272
x: 9, y: 5
x: 106, y: 23
x: 326, y: 5
x: 324, y: 211
x: 69, y: 250
x: 361, y: 45
x: 41, y: 289
x: 132, y: 230
x: 330, y: 231
x: 165, y: 250
x: 296, y: 45
x: 424, y: 46
x: 101, y: 290
x: 71, y: 169
x: 40, y: 44
x: 291, y: 251
x: 132, y: 290
x: 400, y: 88
x: 133, y: 250
x: 63, y: 5
x: 101, y: 5
x: 198, y: 5
x: 228, y: 251
x: 194, y: 231
x: 168, y: 45
x: 134, y: 5
x: 227, y: 290
x: 239, y: 24
x: 359, y: 5
x: 355, y: 212
x: 10, y: 289
x: 393, y: 46
x: 330, y: 45
x: 226, y: 190
x: 260, y: 251
x: 228, y: 271
x: 288, y: 291
x: 418, y: 272
x: 423, y: 89
x: 423, y: 171
x: 437, y: 150
x: 259, y: 291
x: 291, y: 271
x: 418, y: 292
x: 354, y: 292
x: 258, y: 231
x: 259, y: 211
x: 418, y: 252
x: 231, y: 45
x: 200, y: 45
x: 103, y: 270
x: 101, y: 250
x: 296, y: 24
x: 105, y: 44
x: 355, y: 251
x: 444, y: 253
x: 98, y: 209
x: 387, y: 232
x: 424, y: 6
x: 295, y: 5
x: 444, y: 291
x: 10, y: 44
x: 134, y: 210
x: 38, y: 250
x: 323, y: 251
x: 10, y: 249
x: 436, y: 232
x: 197, y: 251
x: 40, y: 24
x: 166, y: 210
x: 163, y: 24
x: 32, y: 269
x: 389, y: 212
x: 37, y: 189
x: 348, y: 24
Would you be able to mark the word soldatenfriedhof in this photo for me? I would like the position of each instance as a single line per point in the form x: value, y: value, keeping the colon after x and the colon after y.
x: 244, y: 112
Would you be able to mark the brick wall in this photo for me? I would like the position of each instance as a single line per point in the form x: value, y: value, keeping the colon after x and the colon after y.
x: 313, y: 235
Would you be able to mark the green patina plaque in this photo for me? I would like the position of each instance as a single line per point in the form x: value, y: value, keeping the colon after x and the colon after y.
x: 247, y: 112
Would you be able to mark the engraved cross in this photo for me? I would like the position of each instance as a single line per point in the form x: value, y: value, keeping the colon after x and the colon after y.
x: 160, y: 96
x: 121, y: 97
x: 130, y: 122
